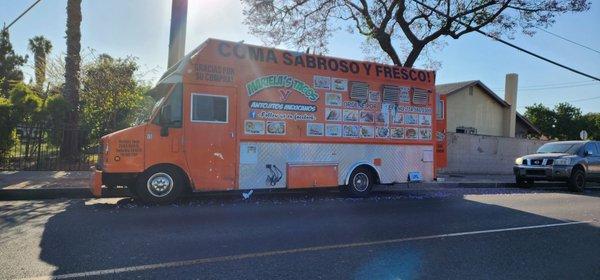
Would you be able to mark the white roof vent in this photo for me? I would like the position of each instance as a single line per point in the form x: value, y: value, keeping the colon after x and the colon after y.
x: 359, y: 91
x: 420, y: 96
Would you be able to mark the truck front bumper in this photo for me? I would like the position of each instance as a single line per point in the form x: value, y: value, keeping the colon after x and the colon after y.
x: 544, y: 173
x: 96, y: 182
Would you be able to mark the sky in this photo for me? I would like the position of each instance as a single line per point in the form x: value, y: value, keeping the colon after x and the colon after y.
x: 140, y: 28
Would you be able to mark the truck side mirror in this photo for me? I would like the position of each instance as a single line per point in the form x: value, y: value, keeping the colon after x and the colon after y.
x: 587, y: 153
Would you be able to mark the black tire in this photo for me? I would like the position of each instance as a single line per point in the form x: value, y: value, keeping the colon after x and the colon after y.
x: 523, y: 183
x: 361, y: 182
x: 160, y: 184
x: 576, y: 182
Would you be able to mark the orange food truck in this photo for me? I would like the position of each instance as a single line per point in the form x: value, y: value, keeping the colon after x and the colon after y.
x: 233, y: 116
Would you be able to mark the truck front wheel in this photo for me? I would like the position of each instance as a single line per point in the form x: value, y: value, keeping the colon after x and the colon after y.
x: 160, y: 184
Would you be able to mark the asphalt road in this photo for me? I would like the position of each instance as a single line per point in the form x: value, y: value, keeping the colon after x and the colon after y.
x: 404, y: 234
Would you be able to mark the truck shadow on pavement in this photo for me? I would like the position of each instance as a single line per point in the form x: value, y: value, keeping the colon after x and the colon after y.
x: 121, y: 233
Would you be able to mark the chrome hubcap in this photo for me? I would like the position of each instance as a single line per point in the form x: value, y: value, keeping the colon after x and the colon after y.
x: 160, y: 184
x: 360, y: 182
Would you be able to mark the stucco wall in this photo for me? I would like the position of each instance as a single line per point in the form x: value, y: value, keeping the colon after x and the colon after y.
x: 478, y: 110
x: 479, y: 154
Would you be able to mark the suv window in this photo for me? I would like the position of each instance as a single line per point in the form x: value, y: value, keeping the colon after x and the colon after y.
x: 591, y: 149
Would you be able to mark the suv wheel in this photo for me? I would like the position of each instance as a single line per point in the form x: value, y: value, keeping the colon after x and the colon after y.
x: 577, y: 180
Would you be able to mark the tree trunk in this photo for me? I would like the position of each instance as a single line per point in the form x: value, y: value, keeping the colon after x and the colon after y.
x: 385, y: 42
x: 70, y: 147
x: 413, y: 55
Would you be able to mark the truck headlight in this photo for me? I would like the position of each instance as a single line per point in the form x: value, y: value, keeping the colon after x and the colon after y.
x: 519, y: 161
x: 562, y: 161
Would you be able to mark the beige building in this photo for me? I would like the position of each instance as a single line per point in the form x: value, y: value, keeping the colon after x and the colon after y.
x: 473, y: 108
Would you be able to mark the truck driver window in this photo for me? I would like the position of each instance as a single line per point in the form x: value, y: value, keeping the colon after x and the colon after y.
x: 173, y: 102
x: 209, y: 108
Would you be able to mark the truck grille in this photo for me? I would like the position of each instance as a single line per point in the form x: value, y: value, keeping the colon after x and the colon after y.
x: 540, y: 172
x: 539, y: 162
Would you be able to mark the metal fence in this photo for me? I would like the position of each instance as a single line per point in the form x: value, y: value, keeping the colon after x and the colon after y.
x: 37, y: 147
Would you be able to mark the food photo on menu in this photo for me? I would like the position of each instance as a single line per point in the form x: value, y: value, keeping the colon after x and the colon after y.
x: 254, y: 127
x: 333, y: 99
x: 397, y: 132
x: 351, y: 131
x: 333, y: 130
x: 350, y: 115
x: 321, y: 82
x: 276, y: 128
x: 411, y: 119
x: 425, y: 120
x: 411, y: 133
x: 425, y: 133
x: 314, y: 129
x: 338, y: 84
x: 382, y: 132
x: 333, y: 114
x: 366, y: 117
x: 366, y: 132
x: 398, y: 118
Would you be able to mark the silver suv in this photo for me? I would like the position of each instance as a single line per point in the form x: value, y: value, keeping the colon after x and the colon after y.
x: 570, y: 161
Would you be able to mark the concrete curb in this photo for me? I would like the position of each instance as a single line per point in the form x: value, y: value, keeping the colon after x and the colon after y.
x: 78, y: 192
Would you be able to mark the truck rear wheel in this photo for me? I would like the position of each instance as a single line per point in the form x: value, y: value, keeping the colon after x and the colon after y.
x: 361, y: 182
x: 160, y: 184
x: 577, y: 180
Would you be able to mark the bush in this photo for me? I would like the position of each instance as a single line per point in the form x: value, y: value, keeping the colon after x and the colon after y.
x: 27, y: 106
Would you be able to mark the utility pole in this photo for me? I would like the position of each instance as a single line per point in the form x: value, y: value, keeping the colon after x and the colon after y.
x: 177, y: 35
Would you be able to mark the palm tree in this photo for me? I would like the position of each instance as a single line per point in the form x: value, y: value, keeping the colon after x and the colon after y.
x: 69, y: 148
x: 40, y: 47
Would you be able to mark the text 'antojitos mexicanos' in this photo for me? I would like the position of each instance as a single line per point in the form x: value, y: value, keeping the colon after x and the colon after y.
x: 253, y: 53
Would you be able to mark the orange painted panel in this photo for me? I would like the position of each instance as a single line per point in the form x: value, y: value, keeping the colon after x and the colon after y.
x: 307, y: 176
x: 211, y: 147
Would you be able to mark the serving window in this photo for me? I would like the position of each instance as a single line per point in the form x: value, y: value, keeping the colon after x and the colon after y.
x: 209, y: 108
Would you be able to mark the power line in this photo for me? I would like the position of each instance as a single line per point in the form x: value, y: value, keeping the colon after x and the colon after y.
x: 552, y: 84
x: 21, y: 15
x: 568, y: 40
x: 552, y: 87
x: 507, y: 43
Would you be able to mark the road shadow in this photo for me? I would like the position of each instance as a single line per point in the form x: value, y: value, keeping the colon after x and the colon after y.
x: 89, y: 236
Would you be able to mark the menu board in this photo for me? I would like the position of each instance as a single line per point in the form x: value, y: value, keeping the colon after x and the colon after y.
x: 283, y: 105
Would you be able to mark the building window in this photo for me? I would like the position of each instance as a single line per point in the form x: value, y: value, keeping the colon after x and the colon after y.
x: 209, y: 108
x: 440, y: 109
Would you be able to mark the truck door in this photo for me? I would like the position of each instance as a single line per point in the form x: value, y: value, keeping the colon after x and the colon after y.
x: 210, y: 140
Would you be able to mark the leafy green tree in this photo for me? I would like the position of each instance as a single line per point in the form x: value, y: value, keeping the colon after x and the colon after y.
x: 10, y: 63
x: 8, y: 135
x: 563, y: 122
x: 40, y: 47
x: 592, y: 125
x: 569, y: 121
x: 110, y: 95
x: 543, y: 118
